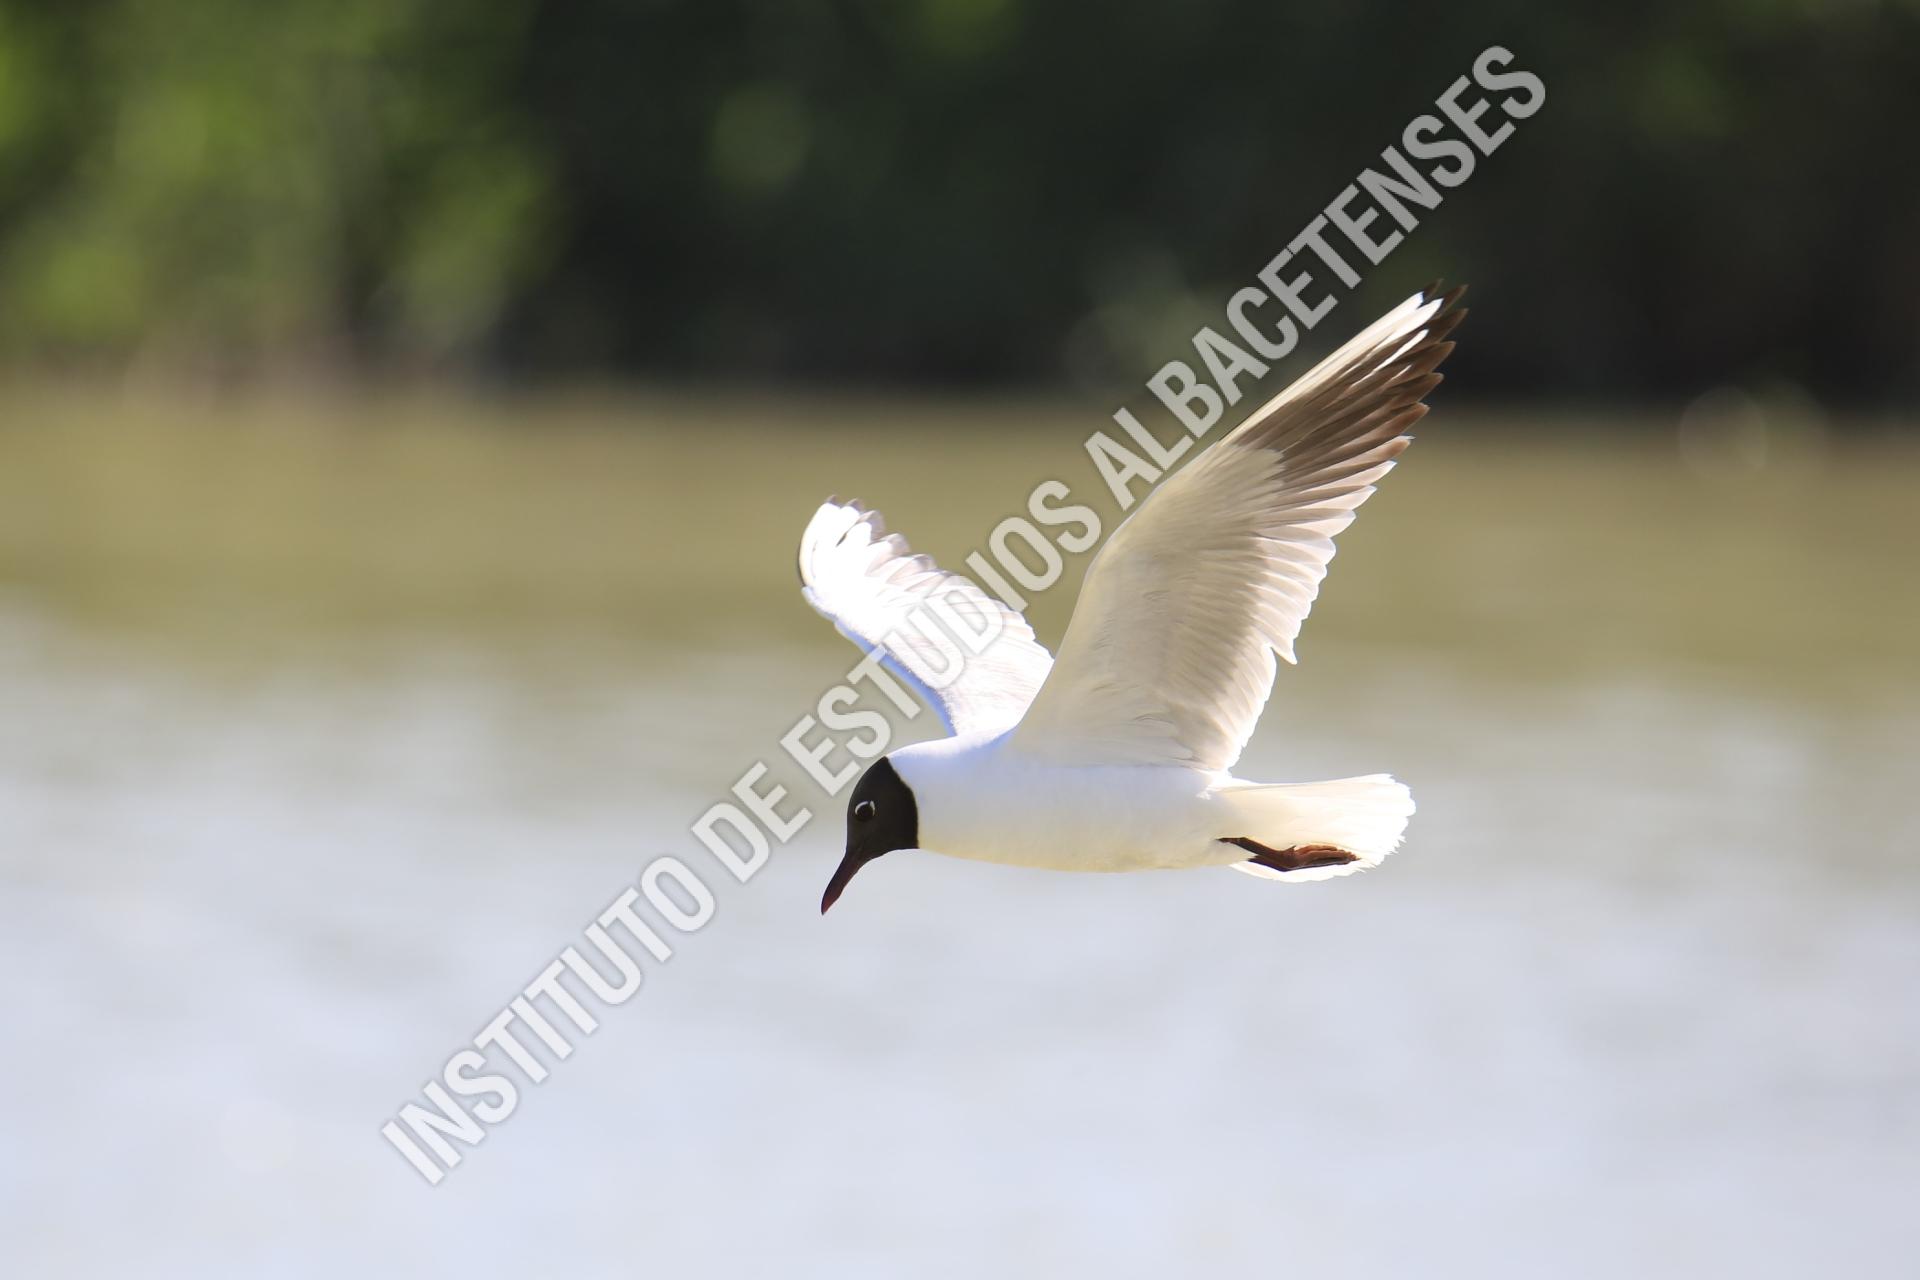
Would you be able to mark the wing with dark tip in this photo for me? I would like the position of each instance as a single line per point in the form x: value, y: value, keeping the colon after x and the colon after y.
x: 1171, y: 652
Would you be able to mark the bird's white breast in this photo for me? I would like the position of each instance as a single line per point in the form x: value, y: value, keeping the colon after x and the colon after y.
x: 979, y: 800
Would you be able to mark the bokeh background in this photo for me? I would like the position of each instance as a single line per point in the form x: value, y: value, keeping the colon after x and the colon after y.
x: 407, y: 412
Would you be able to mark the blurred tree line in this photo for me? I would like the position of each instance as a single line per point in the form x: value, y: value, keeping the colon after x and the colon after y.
x: 939, y: 191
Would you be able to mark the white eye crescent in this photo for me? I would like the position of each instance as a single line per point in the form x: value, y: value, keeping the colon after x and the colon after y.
x: 863, y: 812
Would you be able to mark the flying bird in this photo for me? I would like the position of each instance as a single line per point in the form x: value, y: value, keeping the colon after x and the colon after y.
x: 1118, y: 755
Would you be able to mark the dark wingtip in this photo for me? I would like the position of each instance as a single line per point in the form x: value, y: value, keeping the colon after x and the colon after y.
x: 1448, y: 299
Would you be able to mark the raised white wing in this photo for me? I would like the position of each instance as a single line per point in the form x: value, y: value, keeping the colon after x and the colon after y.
x: 1170, y: 655
x: 968, y: 656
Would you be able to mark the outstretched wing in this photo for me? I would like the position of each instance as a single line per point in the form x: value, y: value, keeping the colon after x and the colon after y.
x: 969, y: 657
x: 1170, y: 655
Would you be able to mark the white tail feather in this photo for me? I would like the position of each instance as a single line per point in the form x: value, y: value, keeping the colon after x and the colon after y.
x: 1364, y: 816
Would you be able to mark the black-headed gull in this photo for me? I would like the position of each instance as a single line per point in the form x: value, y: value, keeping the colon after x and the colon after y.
x: 1116, y: 757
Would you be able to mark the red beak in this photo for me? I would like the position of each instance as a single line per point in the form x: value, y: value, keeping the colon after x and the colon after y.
x: 841, y: 877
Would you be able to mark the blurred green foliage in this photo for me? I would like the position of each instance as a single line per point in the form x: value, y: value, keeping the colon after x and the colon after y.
x: 939, y: 191
x: 226, y: 181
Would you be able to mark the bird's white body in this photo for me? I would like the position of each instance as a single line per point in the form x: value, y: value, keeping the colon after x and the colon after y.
x: 982, y: 799
x: 1117, y: 754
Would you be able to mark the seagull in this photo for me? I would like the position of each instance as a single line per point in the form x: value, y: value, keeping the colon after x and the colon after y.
x: 1117, y: 755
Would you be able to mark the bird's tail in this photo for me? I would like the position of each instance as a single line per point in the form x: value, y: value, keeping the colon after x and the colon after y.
x: 1317, y: 830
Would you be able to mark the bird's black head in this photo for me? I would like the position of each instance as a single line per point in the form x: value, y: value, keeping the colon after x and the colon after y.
x: 881, y: 817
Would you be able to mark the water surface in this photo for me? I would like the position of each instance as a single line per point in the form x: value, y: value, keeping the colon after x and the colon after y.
x: 323, y: 729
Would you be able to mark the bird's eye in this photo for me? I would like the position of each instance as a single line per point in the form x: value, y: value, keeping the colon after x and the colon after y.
x: 863, y: 812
